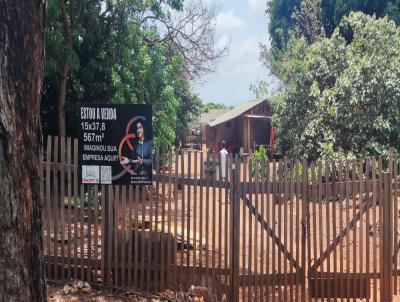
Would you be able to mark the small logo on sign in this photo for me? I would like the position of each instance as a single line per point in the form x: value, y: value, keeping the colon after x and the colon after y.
x: 90, y: 174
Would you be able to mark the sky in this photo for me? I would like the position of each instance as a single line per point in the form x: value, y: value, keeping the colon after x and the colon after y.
x: 243, y: 24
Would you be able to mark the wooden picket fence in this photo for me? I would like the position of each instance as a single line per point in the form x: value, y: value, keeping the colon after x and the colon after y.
x: 268, y: 231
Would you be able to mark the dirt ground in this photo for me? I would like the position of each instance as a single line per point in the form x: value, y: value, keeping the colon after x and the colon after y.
x: 73, y: 292
x: 55, y: 294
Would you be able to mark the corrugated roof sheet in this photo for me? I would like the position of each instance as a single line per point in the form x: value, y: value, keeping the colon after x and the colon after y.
x: 235, y: 112
x: 211, y: 115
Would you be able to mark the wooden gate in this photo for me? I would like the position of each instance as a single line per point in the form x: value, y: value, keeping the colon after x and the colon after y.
x: 326, y: 231
x: 350, y: 231
x: 270, y: 233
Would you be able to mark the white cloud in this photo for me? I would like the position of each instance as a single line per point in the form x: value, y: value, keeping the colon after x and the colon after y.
x: 241, y: 67
x: 249, y: 48
x: 228, y: 20
x: 212, y: 2
x: 257, y: 4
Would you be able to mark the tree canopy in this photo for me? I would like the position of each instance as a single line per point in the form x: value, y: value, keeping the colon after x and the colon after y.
x: 282, y: 21
x: 206, y: 107
x: 341, y: 98
x: 126, y: 51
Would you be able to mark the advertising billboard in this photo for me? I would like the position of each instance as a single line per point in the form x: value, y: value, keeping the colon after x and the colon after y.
x: 115, y: 144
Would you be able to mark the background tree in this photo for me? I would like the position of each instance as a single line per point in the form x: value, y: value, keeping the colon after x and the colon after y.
x: 305, y: 21
x: 340, y: 98
x: 206, y: 107
x: 67, y: 23
x: 188, y: 110
x: 127, y: 51
x: 189, y: 33
x: 21, y: 71
x: 308, y: 19
x: 282, y: 22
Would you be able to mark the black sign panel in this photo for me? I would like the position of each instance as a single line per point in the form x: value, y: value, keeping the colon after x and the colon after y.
x: 115, y: 144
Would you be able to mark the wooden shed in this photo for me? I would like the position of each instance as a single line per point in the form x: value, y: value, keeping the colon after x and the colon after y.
x: 247, y: 125
x: 197, y: 129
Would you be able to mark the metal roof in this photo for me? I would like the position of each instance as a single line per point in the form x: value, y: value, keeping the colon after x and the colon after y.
x: 235, y: 112
x: 211, y: 115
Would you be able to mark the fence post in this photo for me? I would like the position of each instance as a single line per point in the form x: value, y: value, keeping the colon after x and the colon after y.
x: 105, y: 240
x: 235, y: 207
x: 304, y: 225
x: 386, y: 249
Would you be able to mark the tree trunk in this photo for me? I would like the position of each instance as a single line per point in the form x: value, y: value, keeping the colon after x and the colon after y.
x: 62, y: 90
x: 62, y: 85
x: 21, y: 72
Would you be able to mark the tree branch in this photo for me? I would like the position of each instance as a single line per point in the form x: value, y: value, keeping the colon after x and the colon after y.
x: 190, y: 34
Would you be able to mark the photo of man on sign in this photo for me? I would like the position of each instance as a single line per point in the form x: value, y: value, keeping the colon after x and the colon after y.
x: 141, y: 157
